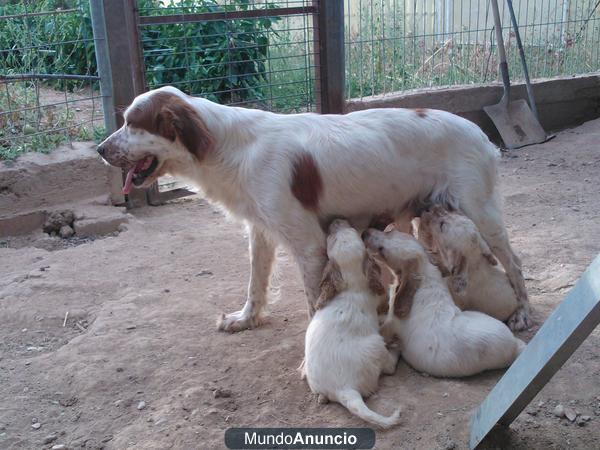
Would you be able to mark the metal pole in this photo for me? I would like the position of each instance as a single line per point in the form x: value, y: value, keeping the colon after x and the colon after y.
x: 103, y: 63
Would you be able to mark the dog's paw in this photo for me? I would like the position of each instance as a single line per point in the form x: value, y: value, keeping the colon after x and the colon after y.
x: 322, y: 399
x: 302, y: 369
x: 237, y: 321
x: 520, y: 320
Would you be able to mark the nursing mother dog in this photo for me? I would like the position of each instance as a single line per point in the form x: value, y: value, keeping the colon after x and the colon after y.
x: 288, y: 176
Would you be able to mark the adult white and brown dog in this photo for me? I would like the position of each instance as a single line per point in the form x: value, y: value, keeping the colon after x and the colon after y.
x: 288, y: 176
x: 436, y: 337
x: 344, y: 352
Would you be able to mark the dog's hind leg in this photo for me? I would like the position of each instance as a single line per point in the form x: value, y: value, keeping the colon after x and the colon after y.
x: 262, y: 255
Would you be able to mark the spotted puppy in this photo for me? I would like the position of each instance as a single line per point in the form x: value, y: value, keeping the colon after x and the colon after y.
x: 475, y: 280
x: 436, y: 337
x: 345, y: 354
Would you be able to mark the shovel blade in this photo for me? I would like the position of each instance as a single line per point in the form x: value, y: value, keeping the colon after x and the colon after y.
x: 516, y: 124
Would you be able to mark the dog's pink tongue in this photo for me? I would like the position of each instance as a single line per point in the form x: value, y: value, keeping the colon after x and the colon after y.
x: 140, y: 165
x: 129, y: 180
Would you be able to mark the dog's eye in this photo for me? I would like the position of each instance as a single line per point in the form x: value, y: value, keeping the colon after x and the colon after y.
x: 442, y: 223
x: 380, y: 249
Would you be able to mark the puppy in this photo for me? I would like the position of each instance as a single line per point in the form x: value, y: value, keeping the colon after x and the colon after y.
x: 345, y: 354
x: 475, y: 281
x: 436, y: 337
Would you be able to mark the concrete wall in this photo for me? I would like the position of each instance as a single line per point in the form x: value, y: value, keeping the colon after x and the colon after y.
x: 562, y: 102
x: 36, y: 183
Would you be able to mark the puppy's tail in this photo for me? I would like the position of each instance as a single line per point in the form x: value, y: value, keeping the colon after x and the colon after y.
x: 352, y: 400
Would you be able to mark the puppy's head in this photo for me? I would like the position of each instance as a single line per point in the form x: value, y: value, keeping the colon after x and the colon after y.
x: 161, y: 134
x: 403, y: 254
x: 348, y: 264
x: 455, y: 238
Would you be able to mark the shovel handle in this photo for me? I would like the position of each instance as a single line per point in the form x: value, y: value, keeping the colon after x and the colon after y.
x: 503, y: 66
x: 515, y: 25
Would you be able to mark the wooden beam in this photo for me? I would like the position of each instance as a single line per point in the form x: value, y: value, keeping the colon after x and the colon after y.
x: 329, y: 56
x: 225, y: 15
x: 562, y: 333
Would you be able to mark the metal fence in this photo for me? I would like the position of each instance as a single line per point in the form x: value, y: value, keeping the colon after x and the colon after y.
x: 279, y: 55
x: 394, y: 45
x: 48, y: 80
x: 237, y: 52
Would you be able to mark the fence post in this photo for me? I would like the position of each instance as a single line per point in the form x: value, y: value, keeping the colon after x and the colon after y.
x: 120, y: 64
x: 329, y: 56
x: 106, y: 91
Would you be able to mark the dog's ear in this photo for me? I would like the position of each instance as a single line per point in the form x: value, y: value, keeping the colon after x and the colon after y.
x: 458, y: 271
x: 331, y: 283
x: 179, y: 119
x: 372, y: 271
x: 407, y: 287
x: 434, y: 258
x: 485, y: 250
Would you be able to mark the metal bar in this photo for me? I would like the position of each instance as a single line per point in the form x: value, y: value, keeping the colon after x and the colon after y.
x: 45, y: 76
x: 227, y: 15
x: 562, y: 333
x: 103, y: 64
x: 329, y: 56
x: 41, y: 13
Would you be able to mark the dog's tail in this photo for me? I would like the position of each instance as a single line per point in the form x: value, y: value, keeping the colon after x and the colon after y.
x: 352, y: 400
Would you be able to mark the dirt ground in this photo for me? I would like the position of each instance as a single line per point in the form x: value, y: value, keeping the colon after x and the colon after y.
x: 142, y: 308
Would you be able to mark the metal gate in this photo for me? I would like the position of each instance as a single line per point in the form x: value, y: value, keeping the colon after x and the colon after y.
x: 280, y: 56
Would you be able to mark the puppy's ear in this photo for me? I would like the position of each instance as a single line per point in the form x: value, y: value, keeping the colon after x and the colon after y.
x: 179, y: 119
x: 372, y: 271
x: 408, y: 284
x: 485, y: 250
x: 458, y: 272
x: 331, y: 284
x: 434, y: 258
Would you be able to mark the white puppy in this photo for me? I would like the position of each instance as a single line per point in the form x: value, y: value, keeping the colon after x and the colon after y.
x: 345, y: 354
x: 436, y: 337
x: 475, y: 281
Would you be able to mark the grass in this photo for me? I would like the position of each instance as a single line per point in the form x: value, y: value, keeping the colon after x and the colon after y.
x: 26, y: 125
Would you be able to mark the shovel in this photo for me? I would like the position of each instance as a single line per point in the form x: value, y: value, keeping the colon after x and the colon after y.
x: 515, y: 122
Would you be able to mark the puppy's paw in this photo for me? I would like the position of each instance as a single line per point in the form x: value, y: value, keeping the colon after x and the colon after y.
x: 322, y: 400
x: 521, y: 319
x: 237, y: 321
x: 302, y: 369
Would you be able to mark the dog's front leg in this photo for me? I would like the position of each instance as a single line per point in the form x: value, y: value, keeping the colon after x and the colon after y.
x: 309, y: 247
x: 262, y: 255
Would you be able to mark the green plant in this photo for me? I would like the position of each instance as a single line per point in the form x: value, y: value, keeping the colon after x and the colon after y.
x: 223, y: 59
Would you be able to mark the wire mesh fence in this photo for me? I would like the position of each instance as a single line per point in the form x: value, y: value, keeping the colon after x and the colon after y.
x: 237, y: 52
x: 48, y: 83
x: 394, y: 45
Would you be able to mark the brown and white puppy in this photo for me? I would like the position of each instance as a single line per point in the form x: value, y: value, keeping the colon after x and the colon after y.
x: 344, y: 352
x: 475, y: 281
x: 436, y: 337
x: 288, y: 175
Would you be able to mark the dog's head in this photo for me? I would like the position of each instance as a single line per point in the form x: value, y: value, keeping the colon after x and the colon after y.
x: 455, y: 238
x: 349, y: 264
x: 162, y: 132
x: 403, y: 254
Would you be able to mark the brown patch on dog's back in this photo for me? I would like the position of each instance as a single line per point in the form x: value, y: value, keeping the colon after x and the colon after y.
x: 421, y: 112
x: 307, y: 184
